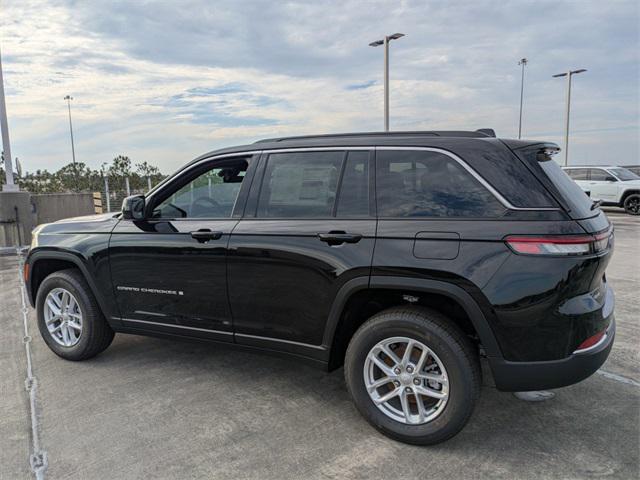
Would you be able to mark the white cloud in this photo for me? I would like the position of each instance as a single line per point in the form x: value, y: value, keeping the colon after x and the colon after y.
x: 152, y: 80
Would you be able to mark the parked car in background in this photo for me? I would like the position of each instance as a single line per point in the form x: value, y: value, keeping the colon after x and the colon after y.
x: 613, y: 186
x: 634, y: 168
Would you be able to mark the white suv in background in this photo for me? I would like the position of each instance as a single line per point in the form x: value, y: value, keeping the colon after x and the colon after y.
x: 613, y: 186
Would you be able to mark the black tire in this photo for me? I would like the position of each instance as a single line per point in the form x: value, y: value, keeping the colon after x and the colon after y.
x: 457, y: 353
x: 96, y: 333
x: 632, y: 204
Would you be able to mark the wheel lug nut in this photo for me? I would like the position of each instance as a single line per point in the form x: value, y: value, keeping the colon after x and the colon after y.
x: 396, y: 383
x: 396, y: 371
x: 416, y: 381
x: 408, y: 390
x: 409, y: 369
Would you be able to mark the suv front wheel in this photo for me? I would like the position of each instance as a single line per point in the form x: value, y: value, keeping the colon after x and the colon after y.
x: 69, y: 318
x: 413, y: 374
x: 632, y: 204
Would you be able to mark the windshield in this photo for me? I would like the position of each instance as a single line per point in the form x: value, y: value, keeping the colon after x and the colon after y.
x: 623, y: 174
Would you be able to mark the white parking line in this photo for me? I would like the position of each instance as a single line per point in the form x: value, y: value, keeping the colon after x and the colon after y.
x: 618, y: 378
x: 38, y: 458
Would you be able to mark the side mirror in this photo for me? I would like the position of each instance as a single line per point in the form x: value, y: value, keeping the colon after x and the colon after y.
x: 133, y: 207
x: 611, y: 179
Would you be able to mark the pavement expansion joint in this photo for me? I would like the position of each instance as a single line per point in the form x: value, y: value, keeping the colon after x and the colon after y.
x: 38, y: 457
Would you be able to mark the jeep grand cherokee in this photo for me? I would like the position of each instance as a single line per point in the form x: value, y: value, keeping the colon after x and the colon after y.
x: 403, y: 256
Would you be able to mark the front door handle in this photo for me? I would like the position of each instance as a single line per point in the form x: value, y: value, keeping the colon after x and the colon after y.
x: 338, y: 238
x: 204, y: 235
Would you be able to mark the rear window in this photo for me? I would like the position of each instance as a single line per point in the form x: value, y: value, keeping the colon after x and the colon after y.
x: 429, y: 184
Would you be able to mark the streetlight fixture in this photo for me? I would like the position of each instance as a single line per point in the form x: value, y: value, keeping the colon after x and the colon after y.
x: 523, y: 62
x: 68, y: 98
x: 385, y: 41
x: 568, y: 74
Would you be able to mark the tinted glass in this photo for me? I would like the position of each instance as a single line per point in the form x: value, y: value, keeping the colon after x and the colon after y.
x: 578, y: 173
x: 353, y: 200
x: 624, y: 174
x: 598, y: 175
x: 579, y: 203
x: 429, y: 184
x: 210, y: 195
x: 300, y: 184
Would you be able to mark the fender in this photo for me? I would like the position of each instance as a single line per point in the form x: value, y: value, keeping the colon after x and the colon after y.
x: 79, y: 261
x: 480, y: 323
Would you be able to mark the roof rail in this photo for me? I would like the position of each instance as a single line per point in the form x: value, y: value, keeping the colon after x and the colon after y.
x: 481, y: 133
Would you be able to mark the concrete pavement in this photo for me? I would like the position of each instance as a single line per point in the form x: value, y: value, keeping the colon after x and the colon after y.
x: 150, y: 408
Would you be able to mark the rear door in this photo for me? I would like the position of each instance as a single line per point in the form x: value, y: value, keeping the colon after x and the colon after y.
x: 435, y: 220
x: 581, y: 177
x: 309, y: 227
x: 169, y: 270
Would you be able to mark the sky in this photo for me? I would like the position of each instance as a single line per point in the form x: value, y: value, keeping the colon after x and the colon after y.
x: 164, y: 82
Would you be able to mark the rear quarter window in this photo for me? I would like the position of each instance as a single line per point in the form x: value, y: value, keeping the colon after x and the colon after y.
x: 573, y: 198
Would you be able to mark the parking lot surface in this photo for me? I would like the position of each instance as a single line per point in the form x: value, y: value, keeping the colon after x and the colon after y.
x: 150, y: 408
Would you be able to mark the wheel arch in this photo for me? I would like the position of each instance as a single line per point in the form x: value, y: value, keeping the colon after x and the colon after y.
x: 43, y: 264
x: 354, y: 289
x: 626, y: 194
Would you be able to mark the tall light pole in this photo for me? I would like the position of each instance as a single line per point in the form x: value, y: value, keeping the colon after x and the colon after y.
x: 68, y: 98
x: 523, y: 62
x: 568, y: 74
x: 9, y: 186
x: 385, y: 41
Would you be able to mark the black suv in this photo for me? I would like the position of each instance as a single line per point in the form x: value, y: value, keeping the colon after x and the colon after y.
x: 405, y: 256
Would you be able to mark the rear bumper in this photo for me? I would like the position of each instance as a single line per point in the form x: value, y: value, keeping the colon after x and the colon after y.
x: 527, y: 376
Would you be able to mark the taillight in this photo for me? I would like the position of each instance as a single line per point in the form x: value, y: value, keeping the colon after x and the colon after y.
x: 25, y: 272
x: 591, y: 342
x: 559, y: 244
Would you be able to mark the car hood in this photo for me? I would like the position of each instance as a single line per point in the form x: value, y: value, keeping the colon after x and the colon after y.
x: 101, y: 223
x: 631, y: 183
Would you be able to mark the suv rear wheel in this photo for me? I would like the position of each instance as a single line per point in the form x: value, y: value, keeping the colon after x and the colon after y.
x: 413, y: 375
x: 632, y: 204
x: 69, y: 318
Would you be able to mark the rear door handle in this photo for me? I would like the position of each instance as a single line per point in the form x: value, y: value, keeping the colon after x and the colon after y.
x: 204, y: 235
x: 338, y: 238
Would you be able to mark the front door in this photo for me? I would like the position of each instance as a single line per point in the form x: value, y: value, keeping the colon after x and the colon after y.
x: 169, y: 271
x: 603, y: 185
x: 310, y: 229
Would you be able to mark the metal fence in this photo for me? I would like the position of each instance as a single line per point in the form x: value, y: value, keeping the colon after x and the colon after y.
x: 114, y: 191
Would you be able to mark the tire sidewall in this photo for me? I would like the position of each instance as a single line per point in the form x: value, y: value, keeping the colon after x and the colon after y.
x: 68, y: 283
x: 461, y: 392
x: 626, y: 202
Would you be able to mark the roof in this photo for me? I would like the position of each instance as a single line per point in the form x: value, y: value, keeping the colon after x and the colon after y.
x: 592, y: 166
x: 481, y: 133
x: 409, y: 138
x: 448, y: 140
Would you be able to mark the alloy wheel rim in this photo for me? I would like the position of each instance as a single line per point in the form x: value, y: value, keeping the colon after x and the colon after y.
x: 63, y: 317
x: 406, y: 380
x: 633, y: 205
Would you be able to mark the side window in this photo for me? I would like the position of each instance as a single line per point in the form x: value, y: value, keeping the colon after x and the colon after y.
x: 598, y: 175
x: 429, y: 184
x: 300, y: 184
x: 353, y: 200
x: 212, y: 194
x: 578, y: 173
